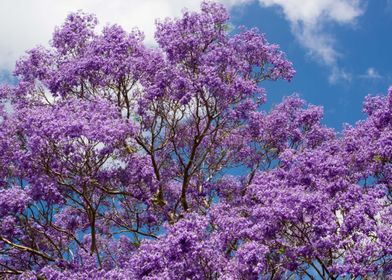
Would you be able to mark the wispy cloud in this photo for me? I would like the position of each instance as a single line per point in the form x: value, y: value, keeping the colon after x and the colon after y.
x: 339, y: 74
x: 388, y: 5
x: 308, y: 20
x: 371, y: 73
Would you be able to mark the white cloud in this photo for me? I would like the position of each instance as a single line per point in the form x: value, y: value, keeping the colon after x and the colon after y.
x: 339, y: 75
x: 371, y: 73
x: 389, y: 5
x: 308, y: 19
x: 27, y: 23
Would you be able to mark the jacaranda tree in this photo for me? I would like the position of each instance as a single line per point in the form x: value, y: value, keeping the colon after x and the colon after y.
x: 121, y: 161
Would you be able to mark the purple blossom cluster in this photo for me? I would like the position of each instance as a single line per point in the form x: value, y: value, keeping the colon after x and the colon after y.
x: 121, y: 161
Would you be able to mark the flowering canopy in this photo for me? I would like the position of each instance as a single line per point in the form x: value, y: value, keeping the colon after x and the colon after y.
x: 115, y: 162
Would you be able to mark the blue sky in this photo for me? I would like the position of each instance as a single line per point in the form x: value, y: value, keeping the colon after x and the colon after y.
x: 340, y: 48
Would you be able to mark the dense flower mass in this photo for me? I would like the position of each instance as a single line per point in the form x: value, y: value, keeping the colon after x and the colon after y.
x: 121, y: 161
